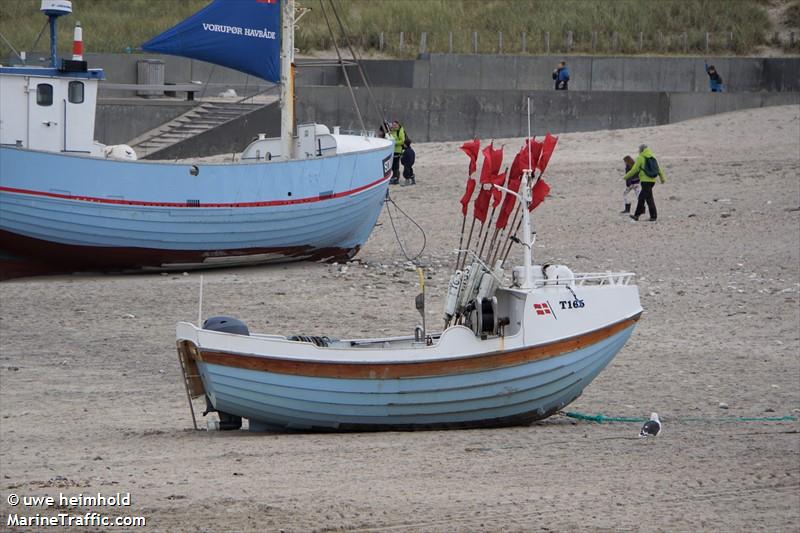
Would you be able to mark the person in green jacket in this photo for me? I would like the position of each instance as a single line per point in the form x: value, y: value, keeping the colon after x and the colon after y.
x: 646, y: 167
x: 399, y: 135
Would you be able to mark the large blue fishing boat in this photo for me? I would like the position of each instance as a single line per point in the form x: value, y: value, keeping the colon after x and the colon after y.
x: 70, y: 203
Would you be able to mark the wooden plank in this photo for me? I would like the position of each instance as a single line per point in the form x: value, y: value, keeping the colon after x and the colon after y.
x: 187, y: 352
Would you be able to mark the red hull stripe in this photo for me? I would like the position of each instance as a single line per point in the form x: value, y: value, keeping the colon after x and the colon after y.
x: 269, y: 203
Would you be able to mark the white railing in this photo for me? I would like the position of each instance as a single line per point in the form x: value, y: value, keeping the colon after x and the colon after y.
x: 359, y: 133
x: 589, y: 278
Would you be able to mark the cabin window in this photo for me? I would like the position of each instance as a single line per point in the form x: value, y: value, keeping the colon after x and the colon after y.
x: 75, y: 92
x: 44, y: 94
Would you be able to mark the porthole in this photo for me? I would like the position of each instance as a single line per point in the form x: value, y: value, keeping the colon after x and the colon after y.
x: 75, y: 92
x: 44, y: 94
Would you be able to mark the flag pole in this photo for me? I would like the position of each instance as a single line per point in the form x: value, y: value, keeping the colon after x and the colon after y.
x: 466, y: 200
x: 485, y: 237
x: 469, y: 239
x: 461, y: 239
x: 498, y: 240
x: 504, y: 233
x: 491, y: 252
x: 480, y: 234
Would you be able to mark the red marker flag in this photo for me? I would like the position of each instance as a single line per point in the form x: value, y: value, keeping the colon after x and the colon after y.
x: 514, y: 179
x: 471, y: 148
x: 536, y: 152
x: 548, y: 146
x: 467, y: 196
x: 516, y: 166
x: 497, y: 161
x: 486, y: 168
x: 540, y: 190
x: 497, y: 194
x: 481, y: 205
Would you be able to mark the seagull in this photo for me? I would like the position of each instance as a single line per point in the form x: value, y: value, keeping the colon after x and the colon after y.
x: 652, y: 427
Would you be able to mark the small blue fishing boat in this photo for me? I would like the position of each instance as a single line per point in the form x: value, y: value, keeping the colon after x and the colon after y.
x: 507, y: 356
x: 71, y: 203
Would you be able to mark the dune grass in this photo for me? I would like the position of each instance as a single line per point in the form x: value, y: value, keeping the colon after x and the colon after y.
x: 597, y: 26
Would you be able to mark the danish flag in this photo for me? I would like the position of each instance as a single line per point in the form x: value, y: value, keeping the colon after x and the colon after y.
x: 542, y: 309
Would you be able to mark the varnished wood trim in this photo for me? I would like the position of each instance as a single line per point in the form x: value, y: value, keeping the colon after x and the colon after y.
x: 411, y: 369
x: 189, y: 355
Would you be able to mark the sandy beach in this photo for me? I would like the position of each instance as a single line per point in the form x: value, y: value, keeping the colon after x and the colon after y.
x: 92, y: 400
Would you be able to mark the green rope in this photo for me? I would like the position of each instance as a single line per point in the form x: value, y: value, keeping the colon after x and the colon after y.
x: 603, y: 418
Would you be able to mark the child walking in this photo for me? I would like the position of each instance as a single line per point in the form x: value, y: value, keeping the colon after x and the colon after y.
x: 631, y: 185
x: 407, y: 160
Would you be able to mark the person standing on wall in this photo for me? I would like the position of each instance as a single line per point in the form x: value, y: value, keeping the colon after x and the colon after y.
x: 646, y: 167
x: 561, y: 76
x: 399, y: 135
x: 714, y: 79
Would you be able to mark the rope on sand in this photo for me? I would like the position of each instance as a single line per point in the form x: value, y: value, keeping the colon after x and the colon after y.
x: 600, y: 418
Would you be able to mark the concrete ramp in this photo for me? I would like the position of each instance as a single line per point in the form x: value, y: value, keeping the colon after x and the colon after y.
x: 202, y: 131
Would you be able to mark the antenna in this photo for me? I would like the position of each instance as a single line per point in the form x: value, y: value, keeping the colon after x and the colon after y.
x: 529, y: 131
x: 419, y: 301
x: 54, y: 9
x: 200, y: 304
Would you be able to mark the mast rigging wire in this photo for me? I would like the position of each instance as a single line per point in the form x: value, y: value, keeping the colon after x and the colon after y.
x: 414, y: 259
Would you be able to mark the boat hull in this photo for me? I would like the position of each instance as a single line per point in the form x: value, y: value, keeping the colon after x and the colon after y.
x: 79, y: 213
x: 485, y: 390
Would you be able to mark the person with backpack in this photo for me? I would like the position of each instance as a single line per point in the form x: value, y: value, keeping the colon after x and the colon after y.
x: 408, y: 163
x: 647, y: 169
x: 714, y: 79
x: 399, y: 135
x: 632, y: 186
x: 561, y: 76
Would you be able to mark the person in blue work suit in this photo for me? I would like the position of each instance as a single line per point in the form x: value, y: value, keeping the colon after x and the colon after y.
x: 561, y: 76
x: 714, y: 79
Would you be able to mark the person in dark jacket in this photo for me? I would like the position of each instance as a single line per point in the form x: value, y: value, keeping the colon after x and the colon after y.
x: 407, y: 160
x: 714, y: 79
x: 561, y: 76
x: 631, y: 185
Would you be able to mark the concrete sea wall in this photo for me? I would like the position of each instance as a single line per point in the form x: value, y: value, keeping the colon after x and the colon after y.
x: 473, y: 71
x: 456, y: 96
x: 587, y: 73
x: 449, y: 114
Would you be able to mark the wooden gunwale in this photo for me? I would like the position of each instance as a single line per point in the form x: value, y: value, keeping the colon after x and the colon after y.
x: 409, y: 369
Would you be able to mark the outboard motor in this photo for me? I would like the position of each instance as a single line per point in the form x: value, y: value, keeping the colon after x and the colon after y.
x: 226, y: 324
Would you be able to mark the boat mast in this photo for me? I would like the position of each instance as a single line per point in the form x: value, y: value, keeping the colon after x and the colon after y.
x: 287, y: 78
x: 527, y: 242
